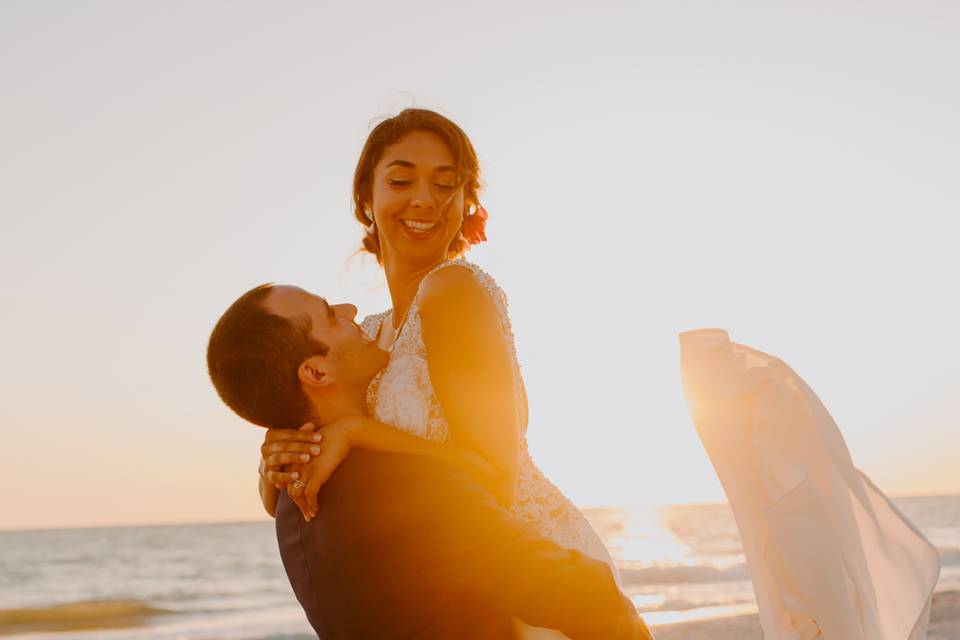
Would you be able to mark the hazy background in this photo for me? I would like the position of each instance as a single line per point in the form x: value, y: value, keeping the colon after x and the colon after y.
x: 787, y: 171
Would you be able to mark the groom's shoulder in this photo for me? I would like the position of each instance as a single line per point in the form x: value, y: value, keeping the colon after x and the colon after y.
x: 395, y: 472
x: 373, y: 495
x: 370, y: 464
x: 376, y: 493
x: 375, y: 484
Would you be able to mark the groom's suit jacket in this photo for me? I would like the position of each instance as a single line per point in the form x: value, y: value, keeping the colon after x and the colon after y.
x: 407, y: 547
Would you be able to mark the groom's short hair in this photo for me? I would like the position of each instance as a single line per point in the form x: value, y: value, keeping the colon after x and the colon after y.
x: 253, y: 356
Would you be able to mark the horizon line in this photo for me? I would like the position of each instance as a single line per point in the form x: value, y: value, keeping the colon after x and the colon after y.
x: 183, y: 523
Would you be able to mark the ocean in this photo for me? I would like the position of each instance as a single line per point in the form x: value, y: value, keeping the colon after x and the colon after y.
x: 207, y: 581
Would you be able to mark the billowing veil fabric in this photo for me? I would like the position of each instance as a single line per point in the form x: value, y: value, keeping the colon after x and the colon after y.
x: 830, y: 557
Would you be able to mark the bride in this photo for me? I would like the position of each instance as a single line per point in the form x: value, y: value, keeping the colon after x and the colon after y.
x: 453, y: 376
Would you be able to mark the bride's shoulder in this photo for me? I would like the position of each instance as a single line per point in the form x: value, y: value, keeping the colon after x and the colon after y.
x: 459, y: 277
x: 460, y: 285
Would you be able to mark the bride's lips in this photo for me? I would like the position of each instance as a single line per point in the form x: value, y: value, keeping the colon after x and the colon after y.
x: 419, y: 229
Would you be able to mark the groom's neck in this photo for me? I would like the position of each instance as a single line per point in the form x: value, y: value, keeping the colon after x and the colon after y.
x: 329, y: 409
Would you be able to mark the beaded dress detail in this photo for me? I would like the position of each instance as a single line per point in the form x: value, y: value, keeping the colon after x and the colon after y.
x: 402, y: 396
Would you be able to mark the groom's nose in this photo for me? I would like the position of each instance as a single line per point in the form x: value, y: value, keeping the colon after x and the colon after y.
x: 347, y: 311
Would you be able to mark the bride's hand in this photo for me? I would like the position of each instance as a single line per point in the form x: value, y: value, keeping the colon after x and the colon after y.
x: 285, y: 447
x: 336, y: 446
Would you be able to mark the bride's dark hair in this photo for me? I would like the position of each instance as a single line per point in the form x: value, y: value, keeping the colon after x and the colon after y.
x: 390, y: 131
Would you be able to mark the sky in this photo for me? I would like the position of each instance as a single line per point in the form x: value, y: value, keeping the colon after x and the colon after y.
x: 785, y: 171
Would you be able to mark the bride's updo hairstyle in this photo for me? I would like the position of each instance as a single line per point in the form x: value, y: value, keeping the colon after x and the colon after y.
x: 391, y: 131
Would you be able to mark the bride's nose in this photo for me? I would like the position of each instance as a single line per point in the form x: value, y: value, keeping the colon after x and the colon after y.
x: 422, y: 198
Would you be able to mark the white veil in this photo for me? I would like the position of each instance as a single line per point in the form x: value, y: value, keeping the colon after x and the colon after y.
x: 828, y: 552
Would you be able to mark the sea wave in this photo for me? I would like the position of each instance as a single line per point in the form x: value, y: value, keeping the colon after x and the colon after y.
x: 77, y: 616
x: 682, y: 574
x: 950, y: 556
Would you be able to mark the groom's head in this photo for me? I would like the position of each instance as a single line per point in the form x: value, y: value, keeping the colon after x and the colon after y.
x: 281, y: 356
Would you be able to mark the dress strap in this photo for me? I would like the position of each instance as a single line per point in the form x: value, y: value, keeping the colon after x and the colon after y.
x: 485, y: 280
x: 460, y: 262
x: 370, y: 326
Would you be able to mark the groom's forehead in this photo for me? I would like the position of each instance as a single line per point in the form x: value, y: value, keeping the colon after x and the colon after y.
x: 290, y: 300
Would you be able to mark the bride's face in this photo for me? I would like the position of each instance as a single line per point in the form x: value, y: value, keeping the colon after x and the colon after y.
x: 418, y: 203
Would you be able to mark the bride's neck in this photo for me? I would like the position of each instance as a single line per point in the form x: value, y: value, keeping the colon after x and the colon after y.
x: 403, y: 280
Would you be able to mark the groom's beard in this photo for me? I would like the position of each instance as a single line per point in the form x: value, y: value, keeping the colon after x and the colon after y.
x: 357, y: 398
x: 353, y: 396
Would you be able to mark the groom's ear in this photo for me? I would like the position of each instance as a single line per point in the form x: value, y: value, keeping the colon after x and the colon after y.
x: 314, y: 372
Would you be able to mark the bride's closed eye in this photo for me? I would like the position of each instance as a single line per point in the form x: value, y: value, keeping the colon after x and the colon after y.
x: 405, y: 183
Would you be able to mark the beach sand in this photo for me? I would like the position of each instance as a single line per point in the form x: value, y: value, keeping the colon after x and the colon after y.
x: 944, y: 624
x: 80, y: 616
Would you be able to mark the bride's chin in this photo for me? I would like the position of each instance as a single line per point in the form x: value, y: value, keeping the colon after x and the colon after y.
x: 421, y: 247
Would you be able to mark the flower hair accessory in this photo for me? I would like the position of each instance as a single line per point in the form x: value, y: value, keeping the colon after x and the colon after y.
x: 474, y: 226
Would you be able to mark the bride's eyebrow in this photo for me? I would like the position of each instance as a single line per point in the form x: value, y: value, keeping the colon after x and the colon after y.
x: 409, y: 165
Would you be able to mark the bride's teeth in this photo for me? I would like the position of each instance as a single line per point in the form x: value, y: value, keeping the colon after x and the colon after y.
x: 416, y: 225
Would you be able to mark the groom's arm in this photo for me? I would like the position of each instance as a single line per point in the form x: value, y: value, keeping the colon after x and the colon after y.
x: 468, y: 543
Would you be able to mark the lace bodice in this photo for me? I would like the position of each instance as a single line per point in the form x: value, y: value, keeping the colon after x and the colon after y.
x: 402, y: 395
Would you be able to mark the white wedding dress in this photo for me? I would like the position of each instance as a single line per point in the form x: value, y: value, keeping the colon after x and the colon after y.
x: 829, y: 555
x: 402, y: 396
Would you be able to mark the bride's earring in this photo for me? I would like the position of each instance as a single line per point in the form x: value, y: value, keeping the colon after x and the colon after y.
x: 460, y: 236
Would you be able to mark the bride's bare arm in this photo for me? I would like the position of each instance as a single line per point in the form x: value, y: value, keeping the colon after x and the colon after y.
x: 361, y: 432
x: 371, y: 435
x: 472, y: 371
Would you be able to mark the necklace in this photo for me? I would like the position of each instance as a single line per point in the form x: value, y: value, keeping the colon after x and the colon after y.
x: 403, y: 320
x: 396, y: 331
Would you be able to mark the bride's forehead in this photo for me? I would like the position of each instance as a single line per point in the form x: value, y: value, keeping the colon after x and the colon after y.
x: 417, y: 148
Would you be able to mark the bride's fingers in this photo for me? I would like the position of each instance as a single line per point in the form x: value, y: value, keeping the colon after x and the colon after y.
x: 277, y: 446
x: 311, y: 495
x: 304, y: 509
x: 294, y: 435
x: 296, y: 494
x: 301, y: 496
x: 308, y: 512
x: 317, y: 478
x: 285, y: 446
x: 282, y: 477
x: 279, y: 459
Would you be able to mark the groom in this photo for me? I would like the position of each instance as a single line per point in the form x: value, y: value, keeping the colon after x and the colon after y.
x: 402, y: 546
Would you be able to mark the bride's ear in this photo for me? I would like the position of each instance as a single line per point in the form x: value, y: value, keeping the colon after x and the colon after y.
x: 314, y: 372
